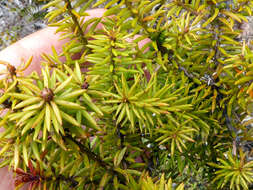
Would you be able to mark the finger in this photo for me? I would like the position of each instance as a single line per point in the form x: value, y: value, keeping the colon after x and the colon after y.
x: 32, y: 45
x: 6, y: 177
x: 37, y: 43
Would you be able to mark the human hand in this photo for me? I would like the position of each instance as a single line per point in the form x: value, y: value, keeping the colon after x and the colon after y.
x: 36, y: 44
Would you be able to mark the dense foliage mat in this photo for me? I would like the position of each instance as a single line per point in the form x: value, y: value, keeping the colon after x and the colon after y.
x: 172, y: 113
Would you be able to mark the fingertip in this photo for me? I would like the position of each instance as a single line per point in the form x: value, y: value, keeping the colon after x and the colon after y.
x: 99, y: 12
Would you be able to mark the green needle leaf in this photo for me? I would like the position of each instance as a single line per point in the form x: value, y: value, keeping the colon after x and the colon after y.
x: 56, y: 112
x: 48, y: 117
x: 63, y: 85
x: 91, y: 122
x: 67, y: 104
x: 27, y: 102
x: 120, y: 156
x: 35, y: 150
x: 87, y: 100
x: 16, y: 156
x: 70, y: 119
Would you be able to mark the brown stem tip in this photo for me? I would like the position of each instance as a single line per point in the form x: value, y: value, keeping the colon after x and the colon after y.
x: 47, y: 94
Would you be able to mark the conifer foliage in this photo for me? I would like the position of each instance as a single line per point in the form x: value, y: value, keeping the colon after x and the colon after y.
x: 172, y: 114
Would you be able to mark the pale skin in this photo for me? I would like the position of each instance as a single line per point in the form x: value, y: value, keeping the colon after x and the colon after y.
x: 34, y: 45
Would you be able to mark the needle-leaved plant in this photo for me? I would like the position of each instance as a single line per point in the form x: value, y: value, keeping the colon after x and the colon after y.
x: 173, y: 113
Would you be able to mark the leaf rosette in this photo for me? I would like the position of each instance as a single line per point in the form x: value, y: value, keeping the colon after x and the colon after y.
x: 47, y: 106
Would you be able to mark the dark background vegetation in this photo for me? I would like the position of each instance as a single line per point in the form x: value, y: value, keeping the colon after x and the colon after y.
x: 19, y: 18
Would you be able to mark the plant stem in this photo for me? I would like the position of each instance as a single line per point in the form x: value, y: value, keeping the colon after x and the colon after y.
x: 75, y: 20
x: 186, y: 7
x: 92, y: 155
